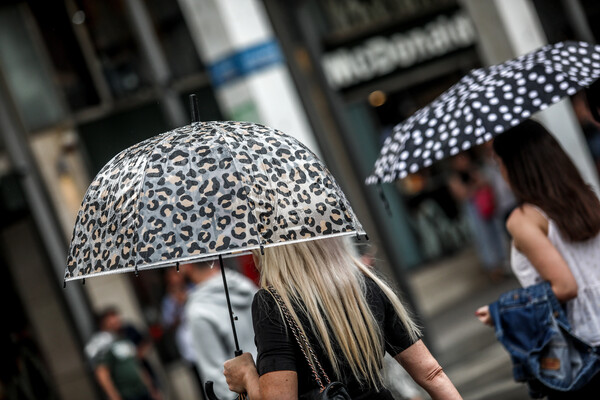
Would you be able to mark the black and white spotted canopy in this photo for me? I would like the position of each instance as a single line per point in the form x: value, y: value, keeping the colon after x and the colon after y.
x: 485, y: 103
x: 202, y: 191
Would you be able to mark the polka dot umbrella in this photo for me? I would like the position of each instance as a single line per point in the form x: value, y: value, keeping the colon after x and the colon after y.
x: 485, y: 103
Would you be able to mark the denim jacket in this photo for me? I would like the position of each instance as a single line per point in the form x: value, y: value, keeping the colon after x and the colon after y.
x: 533, y: 327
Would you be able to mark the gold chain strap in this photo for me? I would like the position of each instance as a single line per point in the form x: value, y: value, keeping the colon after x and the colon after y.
x: 300, y: 336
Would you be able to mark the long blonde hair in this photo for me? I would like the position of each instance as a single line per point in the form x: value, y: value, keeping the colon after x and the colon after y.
x: 324, y: 280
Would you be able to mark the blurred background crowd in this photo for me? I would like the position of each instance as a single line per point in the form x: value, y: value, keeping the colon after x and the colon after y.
x: 81, y: 80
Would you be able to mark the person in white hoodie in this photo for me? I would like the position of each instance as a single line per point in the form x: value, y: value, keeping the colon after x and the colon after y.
x: 207, y: 318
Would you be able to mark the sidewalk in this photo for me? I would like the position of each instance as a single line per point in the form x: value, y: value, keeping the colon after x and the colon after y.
x: 448, y: 293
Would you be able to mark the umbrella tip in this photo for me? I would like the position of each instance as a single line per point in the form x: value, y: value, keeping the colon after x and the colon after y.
x: 364, y: 235
x: 194, y: 108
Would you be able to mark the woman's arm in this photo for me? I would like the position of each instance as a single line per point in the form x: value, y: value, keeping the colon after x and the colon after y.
x: 427, y: 372
x: 242, y: 377
x: 529, y: 230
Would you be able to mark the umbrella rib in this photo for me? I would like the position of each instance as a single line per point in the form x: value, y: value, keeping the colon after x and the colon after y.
x: 125, y: 169
x: 244, y: 186
x: 110, y: 210
x: 276, y: 205
x: 136, y: 225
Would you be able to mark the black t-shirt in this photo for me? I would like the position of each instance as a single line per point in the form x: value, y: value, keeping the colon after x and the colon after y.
x: 278, y: 350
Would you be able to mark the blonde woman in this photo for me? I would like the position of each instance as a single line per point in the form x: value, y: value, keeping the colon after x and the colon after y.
x: 350, y: 317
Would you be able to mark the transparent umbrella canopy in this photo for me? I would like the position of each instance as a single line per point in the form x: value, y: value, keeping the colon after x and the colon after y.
x: 201, y: 192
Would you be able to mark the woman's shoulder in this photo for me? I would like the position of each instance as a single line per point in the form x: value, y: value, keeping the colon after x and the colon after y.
x: 265, y: 309
x: 263, y: 300
x: 374, y: 294
x: 526, y: 217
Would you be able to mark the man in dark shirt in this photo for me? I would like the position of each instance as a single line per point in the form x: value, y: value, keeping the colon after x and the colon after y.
x: 116, y: 363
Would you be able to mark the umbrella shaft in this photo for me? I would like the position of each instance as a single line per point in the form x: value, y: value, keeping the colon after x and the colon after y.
x: 238, y: 351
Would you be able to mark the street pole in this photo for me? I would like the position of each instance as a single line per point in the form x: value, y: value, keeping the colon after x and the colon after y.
x: 15, y: 139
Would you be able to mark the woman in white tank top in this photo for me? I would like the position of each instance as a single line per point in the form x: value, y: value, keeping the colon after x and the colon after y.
x: 555, y: 231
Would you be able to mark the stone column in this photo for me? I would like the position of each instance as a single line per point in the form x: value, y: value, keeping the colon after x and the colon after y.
x: 236, y: 42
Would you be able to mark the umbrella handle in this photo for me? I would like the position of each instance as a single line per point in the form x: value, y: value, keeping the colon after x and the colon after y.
x: 210, y: 391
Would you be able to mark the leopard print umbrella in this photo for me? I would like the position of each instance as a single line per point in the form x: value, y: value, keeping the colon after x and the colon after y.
x: 202, y: 191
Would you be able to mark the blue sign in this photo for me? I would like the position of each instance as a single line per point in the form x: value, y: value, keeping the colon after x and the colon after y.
x: 245, y: 62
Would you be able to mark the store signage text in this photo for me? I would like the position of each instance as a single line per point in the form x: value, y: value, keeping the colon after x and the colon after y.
x: 381, y: 55
x: 355, y: 14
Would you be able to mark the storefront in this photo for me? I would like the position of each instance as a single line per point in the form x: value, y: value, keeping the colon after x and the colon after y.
x: 379, y: 62
x: 375, y: 63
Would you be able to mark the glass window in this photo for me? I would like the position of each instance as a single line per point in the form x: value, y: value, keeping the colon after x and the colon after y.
x: 71, y: 72
x: 116, y: 47
x: 104, y: 138
x: 360, y: 16
x: 434, y: 216
x: 24, y: 69
x: 175, y: 38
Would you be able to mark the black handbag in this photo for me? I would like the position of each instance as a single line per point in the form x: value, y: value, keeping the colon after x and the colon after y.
x: 328, y: 391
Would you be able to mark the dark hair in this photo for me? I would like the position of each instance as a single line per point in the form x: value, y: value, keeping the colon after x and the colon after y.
x: 541, y: 173
x: 105, y: 313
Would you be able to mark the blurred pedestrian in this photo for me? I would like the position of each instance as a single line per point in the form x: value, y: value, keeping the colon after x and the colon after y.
x: 505, y: 201
x: 174, y: 320
x: 172, y: 312
x: 472, y: 190
x: 555, y: 231
x: 117, y: 365
x: 348, y: 316
x: 206, y: 316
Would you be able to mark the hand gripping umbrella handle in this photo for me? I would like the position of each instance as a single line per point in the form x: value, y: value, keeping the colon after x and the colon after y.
x: 210, y: 393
